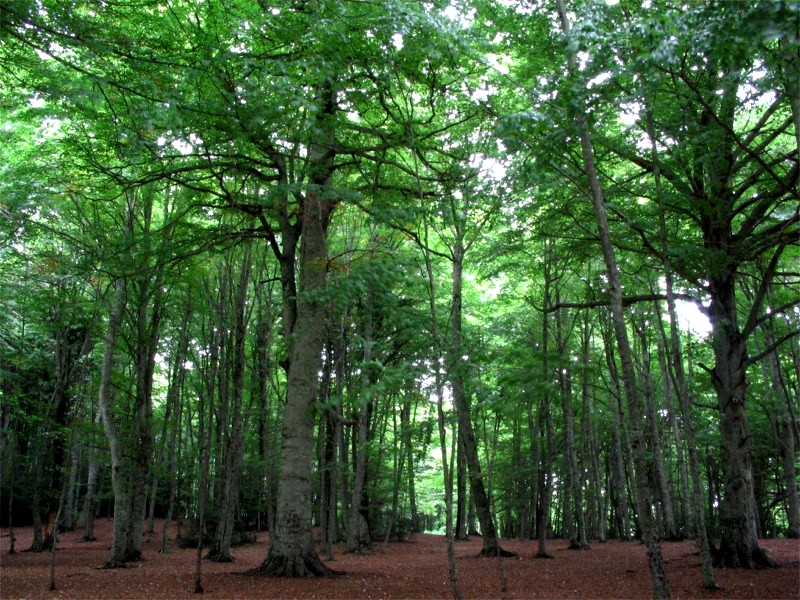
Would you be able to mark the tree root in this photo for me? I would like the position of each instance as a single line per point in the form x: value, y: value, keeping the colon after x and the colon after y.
x: 494, y: 552
x: 115, y: 564
x: 729, y: 556
x: 575, y: 545
x: 293, y: 566
x: 219, y: 557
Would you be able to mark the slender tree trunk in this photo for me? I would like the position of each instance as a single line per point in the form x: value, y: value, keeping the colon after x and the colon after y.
x: 406, y: 420
x: 175, y: 407
x: 574, y: 516
x: 654, y: 557
x: 8, y: 448
x: 788, y: 455
x: 786, y: 431
x: 355, y: 533
x: 679, y: 373
x: 448, y: 493
x: 650, y: 414
x: 545, y: 417
x: 234, y: 438
x: 462, y: 497
x: 669, y: 404
x: 462, y: 405
x: 204, y: 436
x: 262, y: 355
x: 398, y: 464
x: 618, y: 475
x: 68, y: 517
x: 119, y: 478
x: 440, y: 418
x: 86, y: 519
x: 602, y: 510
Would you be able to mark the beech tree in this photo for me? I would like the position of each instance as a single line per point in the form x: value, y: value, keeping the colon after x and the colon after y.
x: 319, y: 222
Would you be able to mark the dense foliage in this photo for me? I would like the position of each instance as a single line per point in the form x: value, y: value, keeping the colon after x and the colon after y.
x: 334, y: 262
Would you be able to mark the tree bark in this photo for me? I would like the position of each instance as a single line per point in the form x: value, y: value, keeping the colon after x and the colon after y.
x: 291, y: 552
x: 654, y: 557
x: 119, y: 478
x: 355, y: 533
x: 461, y: 402
x: 739, y: 545
x: 664, y: 493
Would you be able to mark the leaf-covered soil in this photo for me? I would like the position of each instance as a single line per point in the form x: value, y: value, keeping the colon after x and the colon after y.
x: 414, y: 569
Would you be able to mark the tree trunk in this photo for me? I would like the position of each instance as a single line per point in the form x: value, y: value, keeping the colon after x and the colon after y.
x: 119, y: 479
x: 739, y: 545
x: 678, y: 372
x: 786, y: 431
x: 655, y: 438
x: 175, y: 407
x: 545, y: 441
x: 462, y: 497
x: 669, y: 404
x: 654, y: 557
x: 619, y: 454
x: 466, y: 433
x: 86, y: 518
x: 291, y: 552
x: 234, y: 437
x: 68, y: 516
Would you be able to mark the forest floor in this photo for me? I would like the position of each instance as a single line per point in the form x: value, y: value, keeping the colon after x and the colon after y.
x: 413, y: 569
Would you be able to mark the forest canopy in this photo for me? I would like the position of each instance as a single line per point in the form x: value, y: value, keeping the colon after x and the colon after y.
x: 517, y: 268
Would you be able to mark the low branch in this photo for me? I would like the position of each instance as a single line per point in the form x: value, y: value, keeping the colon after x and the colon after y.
x: 771, y: 348
x: 627, y: 301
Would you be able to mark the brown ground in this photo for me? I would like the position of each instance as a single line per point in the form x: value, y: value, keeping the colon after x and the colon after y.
x: 415, y: 569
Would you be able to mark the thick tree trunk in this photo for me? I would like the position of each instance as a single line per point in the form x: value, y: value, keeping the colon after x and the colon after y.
x: 291, y: 552
x: 739, y: 545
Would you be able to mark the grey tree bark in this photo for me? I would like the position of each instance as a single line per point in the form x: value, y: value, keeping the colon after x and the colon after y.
x: 355, y: 534
x: 456, y: 374
x: 119, y: 478
x: 233, y: 435
x: 291, y: 552
x: 655, y: 559
x: 664, y: 494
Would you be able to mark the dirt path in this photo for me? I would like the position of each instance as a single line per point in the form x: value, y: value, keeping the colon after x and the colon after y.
x: 415, y: 569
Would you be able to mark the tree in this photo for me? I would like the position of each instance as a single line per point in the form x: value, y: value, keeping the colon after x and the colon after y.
x: 726, y: 139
